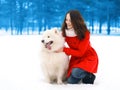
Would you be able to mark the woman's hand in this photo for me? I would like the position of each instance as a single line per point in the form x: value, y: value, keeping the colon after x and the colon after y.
x: 59, y: 50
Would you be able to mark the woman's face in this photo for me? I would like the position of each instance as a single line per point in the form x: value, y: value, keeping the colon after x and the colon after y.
x: 68, y: 21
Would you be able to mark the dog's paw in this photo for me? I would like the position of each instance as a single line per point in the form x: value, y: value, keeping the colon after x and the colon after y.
x: 59, y: 82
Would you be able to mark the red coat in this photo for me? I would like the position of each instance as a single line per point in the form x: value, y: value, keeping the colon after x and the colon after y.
x: 82, y: 54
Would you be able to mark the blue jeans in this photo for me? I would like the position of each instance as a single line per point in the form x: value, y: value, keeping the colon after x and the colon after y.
x: 76, y: 75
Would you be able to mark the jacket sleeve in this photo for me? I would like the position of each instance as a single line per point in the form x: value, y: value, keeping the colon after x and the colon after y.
x: 83, y: 45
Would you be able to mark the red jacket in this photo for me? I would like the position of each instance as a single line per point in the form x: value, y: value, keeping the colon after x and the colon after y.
x: 82, y: 54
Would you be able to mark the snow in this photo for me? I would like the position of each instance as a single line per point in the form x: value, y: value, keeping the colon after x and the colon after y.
x: 20, y: 64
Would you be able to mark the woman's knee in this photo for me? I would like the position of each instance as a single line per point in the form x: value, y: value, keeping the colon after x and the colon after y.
x: 78, y: 73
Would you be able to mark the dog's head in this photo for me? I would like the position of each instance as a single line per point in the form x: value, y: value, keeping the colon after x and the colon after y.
x: 52, y: 40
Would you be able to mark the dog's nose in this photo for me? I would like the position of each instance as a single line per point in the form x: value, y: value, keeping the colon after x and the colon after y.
x: 42, y: 41
x: 51, y: 42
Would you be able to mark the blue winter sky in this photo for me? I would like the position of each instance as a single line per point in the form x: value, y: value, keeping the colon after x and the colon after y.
x: 26, y: 16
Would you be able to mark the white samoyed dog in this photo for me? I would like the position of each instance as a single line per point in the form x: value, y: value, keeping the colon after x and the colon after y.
x: 54, y: 64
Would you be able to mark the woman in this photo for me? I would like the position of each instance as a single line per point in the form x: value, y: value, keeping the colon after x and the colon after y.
x: 84, y: 59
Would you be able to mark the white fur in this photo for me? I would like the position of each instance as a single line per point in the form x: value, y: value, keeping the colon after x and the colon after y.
x: 54, y: 65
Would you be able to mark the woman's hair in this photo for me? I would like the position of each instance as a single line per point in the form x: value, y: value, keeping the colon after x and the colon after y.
x: 77, y: 22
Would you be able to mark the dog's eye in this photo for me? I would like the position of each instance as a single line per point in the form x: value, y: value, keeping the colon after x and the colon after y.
x: 48, y: 36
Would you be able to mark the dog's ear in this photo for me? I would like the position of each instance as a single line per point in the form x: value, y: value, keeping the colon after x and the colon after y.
x: 55, y: 30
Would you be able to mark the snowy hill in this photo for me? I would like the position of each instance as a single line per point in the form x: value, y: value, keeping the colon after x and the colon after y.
x: 20, y: 64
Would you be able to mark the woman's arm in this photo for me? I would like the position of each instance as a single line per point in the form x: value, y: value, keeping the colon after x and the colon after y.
x: 83, y: 45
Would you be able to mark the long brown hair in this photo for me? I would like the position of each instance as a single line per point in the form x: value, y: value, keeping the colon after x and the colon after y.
x: 77, y: 23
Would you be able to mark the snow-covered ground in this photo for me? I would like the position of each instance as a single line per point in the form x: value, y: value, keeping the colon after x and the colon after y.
x: 20, y: 64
